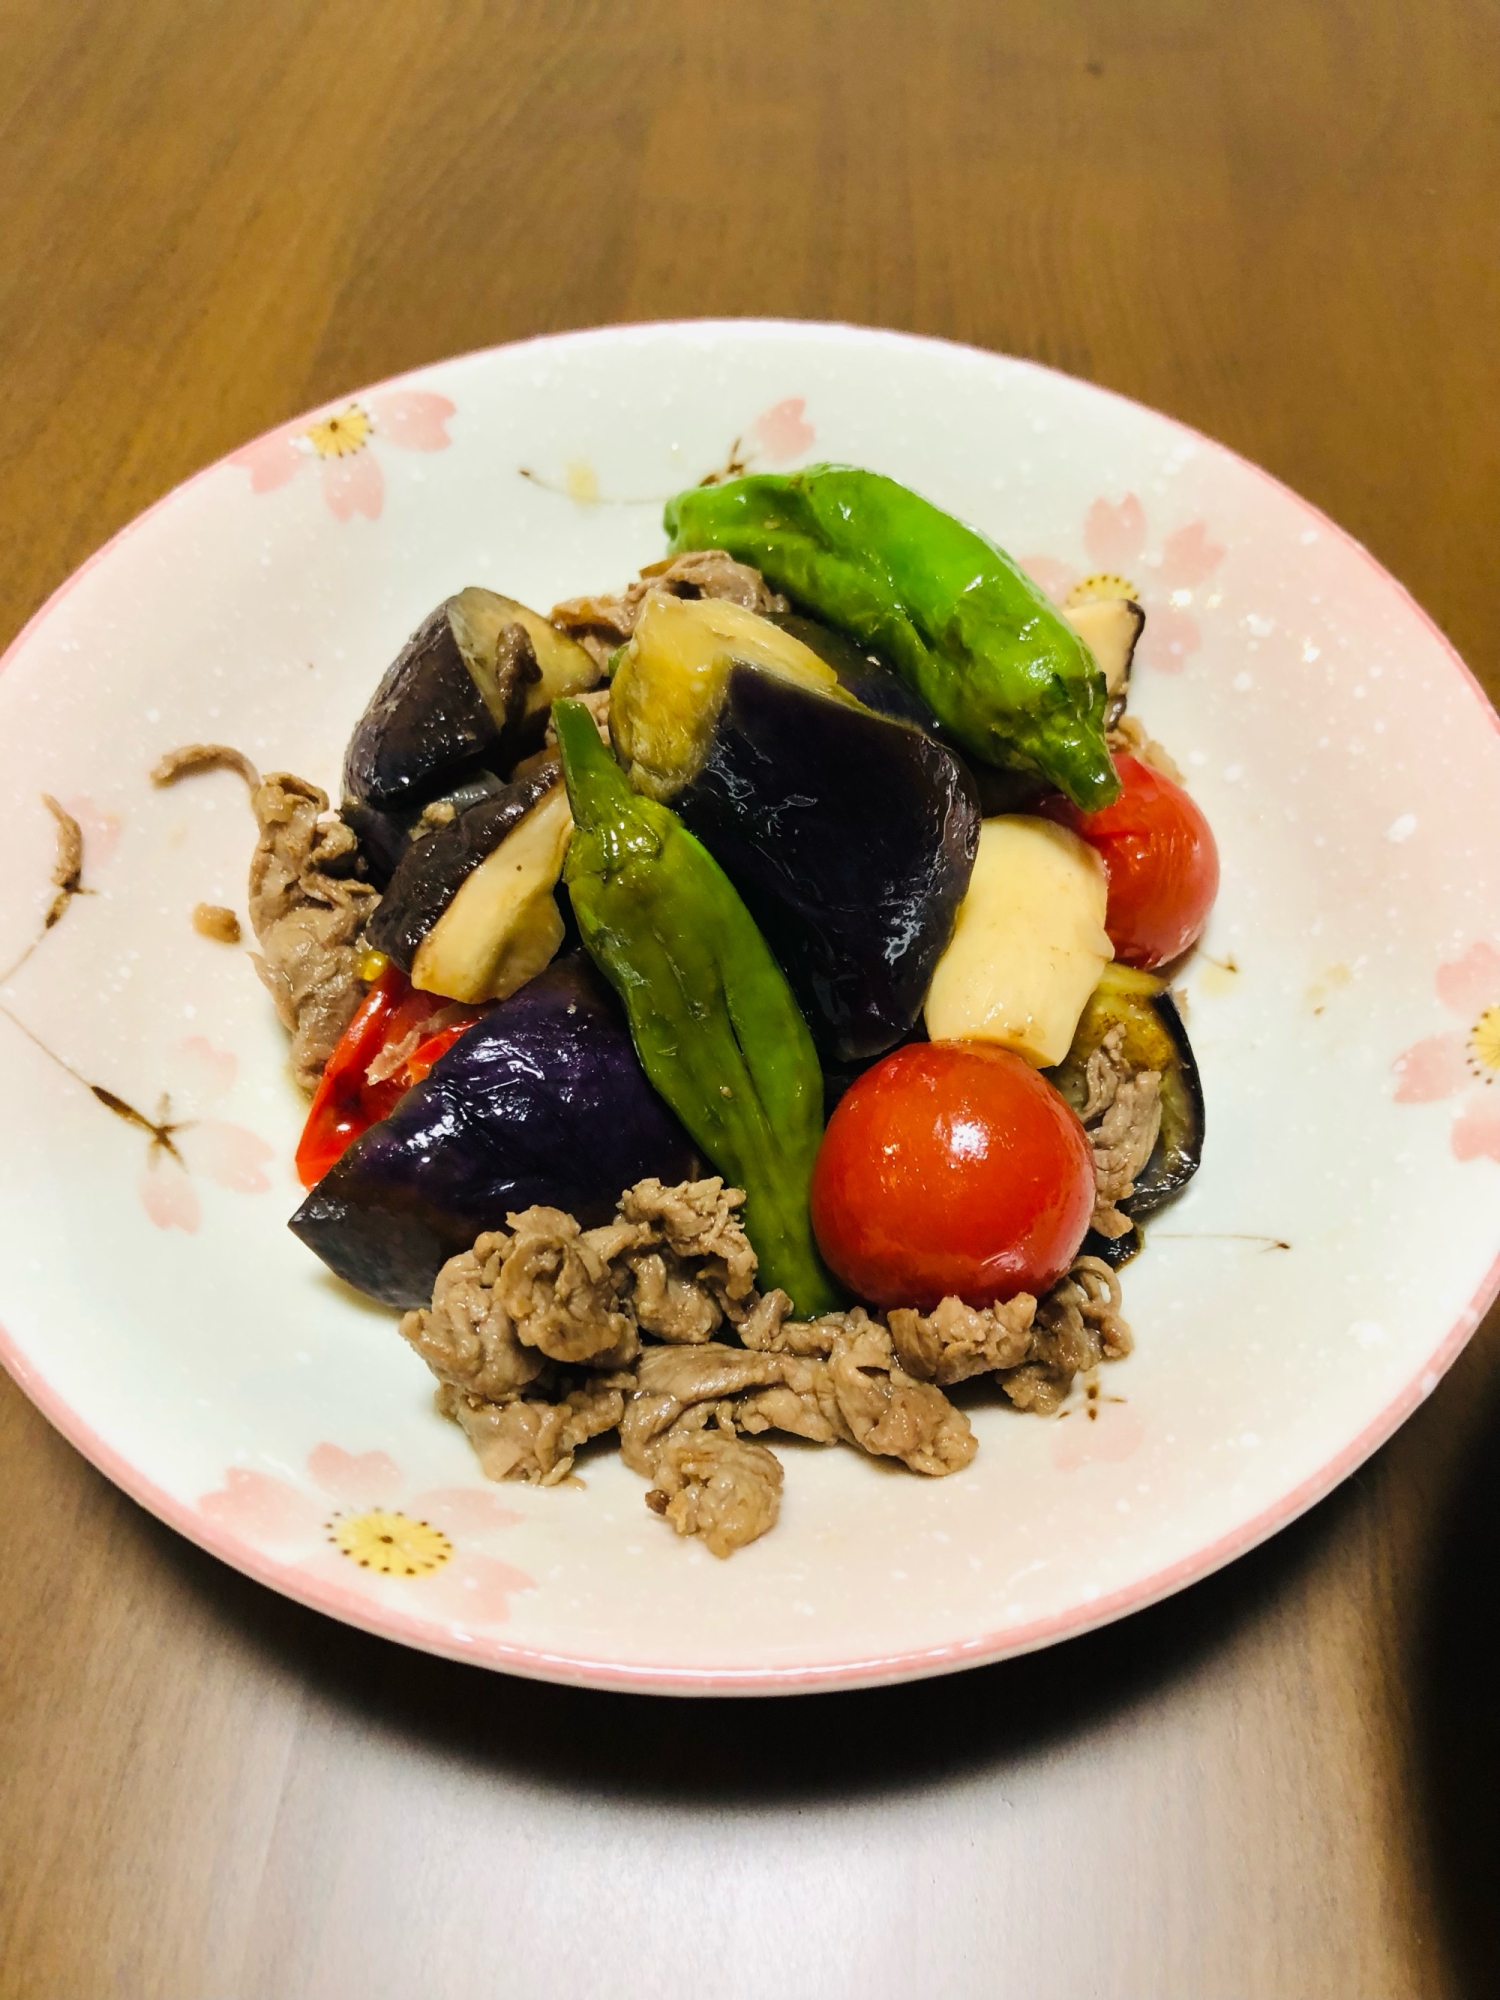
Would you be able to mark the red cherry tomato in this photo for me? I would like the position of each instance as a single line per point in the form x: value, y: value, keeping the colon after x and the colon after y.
x: 346, y: 1103
x: 1158, y: 851
x: 951, y: 1169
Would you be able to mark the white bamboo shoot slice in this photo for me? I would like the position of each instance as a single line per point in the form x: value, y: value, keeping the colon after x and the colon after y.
x: 1029, y: 944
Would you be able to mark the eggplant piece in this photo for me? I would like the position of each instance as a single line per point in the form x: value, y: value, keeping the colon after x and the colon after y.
x: 1155, y: 1038
x: 1110, y: 628
x: 436, y: 889
x: 851, y: 835
x: 861, y: 674
x: 504, y: 924
x: 563, y: 666
x: 385, y: 837
x: 445, y: 703
x: 544, y: 1100
x: 871, y: 681
x: 473, y: 685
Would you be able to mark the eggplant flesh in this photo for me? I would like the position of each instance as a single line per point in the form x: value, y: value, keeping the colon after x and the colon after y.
x: 563, y: 666
x: 544, y: 1101
x: 851, y: 835
x: 1155, y: 1038
x: 435, y: 867
x: 452, y: 699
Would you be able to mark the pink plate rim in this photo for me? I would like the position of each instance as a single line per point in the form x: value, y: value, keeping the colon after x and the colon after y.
x: 538, y: 1663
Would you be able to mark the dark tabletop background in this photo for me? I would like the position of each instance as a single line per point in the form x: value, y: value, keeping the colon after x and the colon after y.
x: 1279, y: 222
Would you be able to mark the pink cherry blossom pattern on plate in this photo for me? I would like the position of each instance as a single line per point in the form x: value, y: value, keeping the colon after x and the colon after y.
x: 180, y: 1144
x: 1464, y: 1062
x: 341, y: 441
x: 1102, y: 1433
x: 1116, y: 539
x: 781, y: 433
x: 100, y: 830
x: 357, y: 1530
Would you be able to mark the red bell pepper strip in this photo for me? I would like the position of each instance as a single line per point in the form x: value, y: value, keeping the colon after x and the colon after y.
x: 426, y: 1053
x: 346, y: 1103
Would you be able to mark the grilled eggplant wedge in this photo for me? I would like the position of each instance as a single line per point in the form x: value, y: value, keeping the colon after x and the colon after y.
x: 861, y: 674
x: 850, y: 834
x: 544, y: 1100
x: 871, y: 681
x: 1155, y: 1038
x: 385, y: 837
x: 470, y: 688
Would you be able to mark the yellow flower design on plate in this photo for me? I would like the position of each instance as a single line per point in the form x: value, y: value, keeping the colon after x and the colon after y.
x: 341, y: 435
x: 1484, y: 1045
x: 1102, y: 584
x: 394, y: 1544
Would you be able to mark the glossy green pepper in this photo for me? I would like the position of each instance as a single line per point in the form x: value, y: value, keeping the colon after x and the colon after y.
x: 1010, y: 680
x: 713, y: 1019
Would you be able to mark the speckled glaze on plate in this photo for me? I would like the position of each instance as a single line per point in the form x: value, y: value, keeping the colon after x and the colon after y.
x: 1324, y: 1269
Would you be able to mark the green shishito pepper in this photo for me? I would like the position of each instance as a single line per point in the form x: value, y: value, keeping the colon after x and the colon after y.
x: 713, y: 1020
x: 1008, y: 677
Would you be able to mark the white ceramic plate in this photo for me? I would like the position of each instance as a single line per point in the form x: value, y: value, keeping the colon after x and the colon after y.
x: 1325, y: 1267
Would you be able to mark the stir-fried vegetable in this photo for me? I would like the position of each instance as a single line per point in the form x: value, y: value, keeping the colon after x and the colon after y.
x: 850, y: 834
x: 396, y: 1036
x: 541, y: 1100
x: 1159, y: 853
x: 1004, y: 672
x: 952, y: 1170
x: 1153, y: 1038
x: 713, y: 1019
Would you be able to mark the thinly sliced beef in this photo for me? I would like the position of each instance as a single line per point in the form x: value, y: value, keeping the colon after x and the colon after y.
x: 956, y: 1341
x: 718, y: 1487
x: 530, y: 1438
x: 603, y: 623
x: 1122, y: 1116
x: 535, y: 1337
x: 309, y: 909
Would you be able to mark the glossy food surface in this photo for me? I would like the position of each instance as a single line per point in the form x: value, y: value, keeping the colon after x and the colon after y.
x: 432, y: 870
x: 542, y: 1101
x: 424, y: 723
x: 1159, y: 852
x: 711, y: 1013
x: 951, y: 1168
x: 952, y: 612
x: 346, y: 1102
x: 1154, y: 1036
x: 851, y: 836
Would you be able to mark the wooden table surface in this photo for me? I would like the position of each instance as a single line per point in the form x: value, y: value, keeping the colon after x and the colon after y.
x: 1277, y: 222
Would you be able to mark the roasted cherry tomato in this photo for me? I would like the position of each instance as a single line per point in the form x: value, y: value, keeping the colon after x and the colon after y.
x: 1159, y: 853
x: 951, y: 1169
x: 346, y: 1103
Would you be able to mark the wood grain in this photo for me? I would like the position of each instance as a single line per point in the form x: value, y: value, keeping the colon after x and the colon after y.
x: 1276, y: 222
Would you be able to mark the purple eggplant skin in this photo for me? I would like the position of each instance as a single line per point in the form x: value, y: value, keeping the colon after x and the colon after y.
x: 433, y: 869
x: 861, y: 674
x: 429, y: 723
x: 544, y: 1100
x: 850, y: 835
x: 384, y: 837
x: 867, y: 677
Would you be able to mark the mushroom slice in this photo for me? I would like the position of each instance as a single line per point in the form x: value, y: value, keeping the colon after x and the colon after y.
x: 1110, y: 627
x: 503, y: 926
